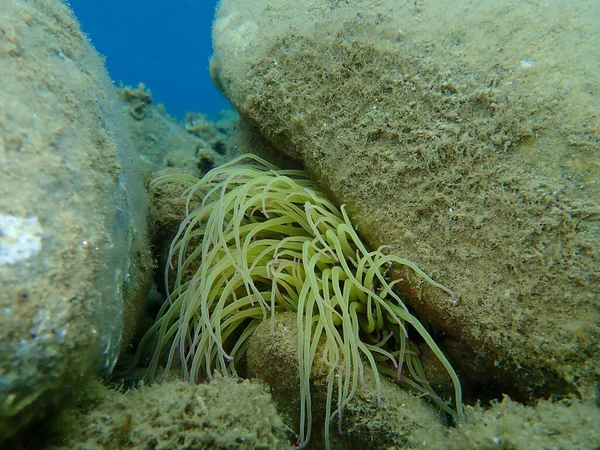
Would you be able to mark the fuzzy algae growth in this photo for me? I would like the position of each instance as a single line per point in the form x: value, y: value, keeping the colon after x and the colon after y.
x: 258, y: 240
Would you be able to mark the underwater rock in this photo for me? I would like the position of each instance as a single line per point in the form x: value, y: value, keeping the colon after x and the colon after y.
x: 368, y: 422
x: 547, y: 425
x: 226, y: 413
x: 468, y: 145
x: 195, y: 145
x: 74, y: 258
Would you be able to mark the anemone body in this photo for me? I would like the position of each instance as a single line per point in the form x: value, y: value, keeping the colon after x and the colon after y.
x: 257, y: 240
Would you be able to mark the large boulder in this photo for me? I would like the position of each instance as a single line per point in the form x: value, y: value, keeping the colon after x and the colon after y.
x: 74, y: 256
x: 464, y: 136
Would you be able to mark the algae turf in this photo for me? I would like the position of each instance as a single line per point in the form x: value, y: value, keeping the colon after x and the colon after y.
x: 375, y: 418
x: 74, y: 254
x: 566, y: 424
x: 225, y: 413
x: 458, y: 141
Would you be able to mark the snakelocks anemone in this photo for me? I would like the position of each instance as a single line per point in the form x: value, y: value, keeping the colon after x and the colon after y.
x: 257, y: 240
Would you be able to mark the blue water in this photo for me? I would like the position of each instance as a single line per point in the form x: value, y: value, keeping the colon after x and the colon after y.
x: 164, y: 44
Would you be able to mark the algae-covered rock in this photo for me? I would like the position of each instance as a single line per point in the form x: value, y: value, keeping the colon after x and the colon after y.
x: 548, y: 425
x: 368, y: 421
x: 469, y: 145
x: 195, y: 145
x: 223, y: 414
x: 73, y: 251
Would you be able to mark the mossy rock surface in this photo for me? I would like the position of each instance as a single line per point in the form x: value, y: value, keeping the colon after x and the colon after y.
x: 74, y: 256
x: 389, y: 419
x: 173, y: 414
x: 468, y: 144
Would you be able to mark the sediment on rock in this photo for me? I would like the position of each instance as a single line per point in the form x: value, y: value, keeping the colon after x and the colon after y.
x: 457, y: 141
